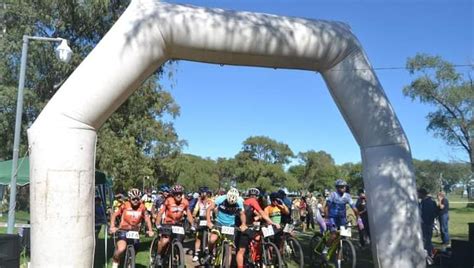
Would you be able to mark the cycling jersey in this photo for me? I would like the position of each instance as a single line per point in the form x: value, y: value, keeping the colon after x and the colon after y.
x: 201, y: 207
x: 173, y: 211
x: 250, y: 206
x: 131, y: 218
x: 227, y: 212
x: 274, y: 213
x: 337, y: 204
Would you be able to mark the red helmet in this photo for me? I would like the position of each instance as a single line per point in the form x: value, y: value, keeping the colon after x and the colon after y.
x: 176, y: 189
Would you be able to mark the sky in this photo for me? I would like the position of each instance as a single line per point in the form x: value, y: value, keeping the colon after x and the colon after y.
x: 221, y: 106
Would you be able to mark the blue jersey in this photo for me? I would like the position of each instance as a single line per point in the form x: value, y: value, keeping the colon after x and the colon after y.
x: 337, y: 204
x: 226, y: 212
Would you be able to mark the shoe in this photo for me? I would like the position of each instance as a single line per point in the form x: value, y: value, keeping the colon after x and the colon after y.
x: 195, y: 258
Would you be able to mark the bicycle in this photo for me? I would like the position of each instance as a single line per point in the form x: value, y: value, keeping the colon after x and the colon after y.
x: 203, y: 229
x: 223, y: 247
x: 133, y: 238
x: 341, y: 251
x: 173, y: 253
x: 292, y: 252
x: 263, y: 252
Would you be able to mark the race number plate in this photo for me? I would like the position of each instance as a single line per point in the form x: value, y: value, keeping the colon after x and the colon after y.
x: 288, y: 228
x: 132, y: 235
x: 202, y: 223
x: 345, y: 231
x: 268, y: 231
x: 227, y: 230
x: 177, y: 230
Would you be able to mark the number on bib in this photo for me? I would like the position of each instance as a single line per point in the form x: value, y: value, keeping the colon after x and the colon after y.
x: 288, y: 228
x: 227, y: 230
x: 132, y: 235
x: 177, y: 230
x: 202, y: 223
x: 268, y: 231
x: 345, y: 231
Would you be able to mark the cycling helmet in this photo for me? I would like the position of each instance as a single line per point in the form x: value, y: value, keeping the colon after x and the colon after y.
x: 134, y: 193
x: 282, y: 193
x: 274, y: 196
x: 254, y: 191
x: 341, y: 182
x: 165, y: 188
x: 232, y: 196
x: 203, y: 189
x: 176, y: 189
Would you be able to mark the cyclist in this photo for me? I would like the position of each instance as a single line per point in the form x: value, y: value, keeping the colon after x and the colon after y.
x: 228, y: 207
x: 173, y: 208
x: 160, y: 199
x: 285, y: 218
x: 118, y: 201
x: 275, y: 211
x: 335, y: 210
x: 200, y: 209
x: 132, y: 213
x: 253, y: 213
x: 147, y: 201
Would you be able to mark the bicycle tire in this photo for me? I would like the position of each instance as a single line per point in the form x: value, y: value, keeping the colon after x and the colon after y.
x: 226, y: 255
x: 129, y: 261
x: 153, y: 250
x: 177, y: 250
x: 270, y: 255
x: 293, y: 251
x: 348, y: 249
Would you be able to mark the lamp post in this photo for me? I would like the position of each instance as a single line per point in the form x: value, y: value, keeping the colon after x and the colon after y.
x: 64, y: 53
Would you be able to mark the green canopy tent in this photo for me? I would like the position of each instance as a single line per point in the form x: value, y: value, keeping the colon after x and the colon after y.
x: 23, y: 176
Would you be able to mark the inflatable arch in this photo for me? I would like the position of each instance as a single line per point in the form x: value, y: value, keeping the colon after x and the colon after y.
x: 150, y: 32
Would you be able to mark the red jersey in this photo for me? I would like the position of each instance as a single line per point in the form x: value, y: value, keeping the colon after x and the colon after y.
x: 131, y: 218
x: 253, y: 203
x: 174, y: 212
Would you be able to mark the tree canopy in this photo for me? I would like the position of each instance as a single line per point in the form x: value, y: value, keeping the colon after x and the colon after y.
x: 437, y: 82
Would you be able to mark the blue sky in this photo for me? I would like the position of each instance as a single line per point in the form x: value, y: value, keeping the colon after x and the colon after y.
x: 223, y: 105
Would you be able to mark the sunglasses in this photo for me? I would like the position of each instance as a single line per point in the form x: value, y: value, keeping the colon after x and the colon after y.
x: 135, y: 199
x: 177, y: 194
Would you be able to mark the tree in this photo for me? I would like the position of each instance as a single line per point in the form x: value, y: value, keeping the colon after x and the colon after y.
x: 261, y: 148
x: 352, y: 173
x: 320, y: 170
x: 452, y: 94
x: 136, y: 138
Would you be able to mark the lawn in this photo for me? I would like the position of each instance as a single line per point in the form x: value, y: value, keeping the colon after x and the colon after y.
x: 460, y: 215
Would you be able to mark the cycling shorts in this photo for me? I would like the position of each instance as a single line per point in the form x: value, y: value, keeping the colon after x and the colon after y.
x: 335, y: 222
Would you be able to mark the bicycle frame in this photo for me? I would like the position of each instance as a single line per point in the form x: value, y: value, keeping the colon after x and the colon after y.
x: 221, y: 239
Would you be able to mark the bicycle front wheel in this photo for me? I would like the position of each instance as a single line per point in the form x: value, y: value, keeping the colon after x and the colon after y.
x: 226, y: 255
x: 129, y: 261
x: 293, y: 253
x: 154, y: 250
x: 346, y: 255
x: 271, y: 256
x: 177, y: 255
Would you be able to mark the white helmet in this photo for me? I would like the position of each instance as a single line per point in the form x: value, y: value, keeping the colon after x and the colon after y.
x: 232, y: 196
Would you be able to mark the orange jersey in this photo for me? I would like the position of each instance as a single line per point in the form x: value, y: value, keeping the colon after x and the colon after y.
x: 131, y: 218
x: 173, y: 211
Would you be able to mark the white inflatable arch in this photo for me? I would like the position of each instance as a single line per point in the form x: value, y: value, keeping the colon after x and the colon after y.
x: 149, y: 33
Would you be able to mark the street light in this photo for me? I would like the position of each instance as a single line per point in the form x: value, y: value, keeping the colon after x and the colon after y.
x: 63, y: 53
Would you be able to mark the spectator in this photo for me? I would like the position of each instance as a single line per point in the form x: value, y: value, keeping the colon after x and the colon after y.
x: 429, y: 211
x: 311, y: 207
x: 443, y: 218
x: 361, y: 205
x: 303, y: 212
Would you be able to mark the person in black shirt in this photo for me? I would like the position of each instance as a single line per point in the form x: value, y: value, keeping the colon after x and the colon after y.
x: 443, y: 217
x: 361, y: 205
x: 429, y: 211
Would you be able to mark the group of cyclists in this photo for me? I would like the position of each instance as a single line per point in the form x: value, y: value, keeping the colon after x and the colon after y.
x: 170, y: 206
